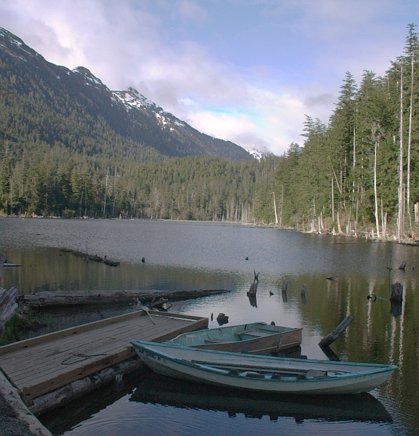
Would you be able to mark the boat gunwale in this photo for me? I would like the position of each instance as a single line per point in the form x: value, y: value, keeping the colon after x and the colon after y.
x: 380, y: 367
x: 213, y: 369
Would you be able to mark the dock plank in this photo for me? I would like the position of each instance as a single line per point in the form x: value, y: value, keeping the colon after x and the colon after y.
x: 39, y: 365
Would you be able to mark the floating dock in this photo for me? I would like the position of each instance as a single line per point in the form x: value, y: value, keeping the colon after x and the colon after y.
x: 46, y: 369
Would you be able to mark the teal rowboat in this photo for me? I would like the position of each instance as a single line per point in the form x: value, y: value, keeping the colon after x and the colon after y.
x: 259, y: 372
x: 257, y: 337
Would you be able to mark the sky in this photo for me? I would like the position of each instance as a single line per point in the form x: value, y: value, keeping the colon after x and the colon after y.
x: 248, y: 71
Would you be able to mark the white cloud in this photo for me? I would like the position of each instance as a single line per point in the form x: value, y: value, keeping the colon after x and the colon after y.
x: 151, y: 45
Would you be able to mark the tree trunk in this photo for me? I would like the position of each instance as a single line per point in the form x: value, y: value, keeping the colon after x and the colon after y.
x: 375, y: 191
x: 409, y: 145
x: 400, y: 190
x: 276, y: 214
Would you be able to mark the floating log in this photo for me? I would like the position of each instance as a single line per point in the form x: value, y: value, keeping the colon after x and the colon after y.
x: 110, y: 262
x: 95, y: 258
x: 331, y: 337
x: 78, y: 298
x: 8, y: 305
x: 396, y: 294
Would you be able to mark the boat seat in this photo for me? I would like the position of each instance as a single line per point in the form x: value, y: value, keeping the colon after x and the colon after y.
x: 215, y: 341
x: 252, y: 374
x: 312, y: 373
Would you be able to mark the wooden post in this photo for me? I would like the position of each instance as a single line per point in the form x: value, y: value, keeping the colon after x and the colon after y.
x: 331, y: 337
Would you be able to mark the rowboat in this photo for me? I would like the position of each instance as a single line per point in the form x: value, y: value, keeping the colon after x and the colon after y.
x: 152, y: 388
x: 261, y: 373
x: 257, y: 337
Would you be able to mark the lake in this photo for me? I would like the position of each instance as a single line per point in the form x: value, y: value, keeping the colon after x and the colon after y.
x: 338, y: 275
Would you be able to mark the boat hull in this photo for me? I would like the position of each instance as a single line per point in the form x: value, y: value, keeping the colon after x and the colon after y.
x: 259, y: 377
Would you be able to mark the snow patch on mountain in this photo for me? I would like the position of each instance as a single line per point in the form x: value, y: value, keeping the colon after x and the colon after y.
x: 259, y: 153
x: 133, y: 99
x: 91, y: 80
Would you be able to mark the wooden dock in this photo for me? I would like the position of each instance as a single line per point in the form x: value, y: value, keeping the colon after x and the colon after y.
x: 43, y: 364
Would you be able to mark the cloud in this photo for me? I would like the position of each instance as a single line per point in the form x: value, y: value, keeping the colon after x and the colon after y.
x: 249, y: 78
x: 191, y: 10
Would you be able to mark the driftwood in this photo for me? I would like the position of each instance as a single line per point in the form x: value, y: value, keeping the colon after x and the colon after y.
x: 331, y: 337
x: 75, y: 298
x: 8, y: 305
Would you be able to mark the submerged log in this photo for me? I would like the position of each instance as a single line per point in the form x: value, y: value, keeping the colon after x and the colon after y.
x: 76, y: 298
x: 331, y: 337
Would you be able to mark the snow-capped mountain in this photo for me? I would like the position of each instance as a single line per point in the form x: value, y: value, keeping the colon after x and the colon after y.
x: 76, y: 110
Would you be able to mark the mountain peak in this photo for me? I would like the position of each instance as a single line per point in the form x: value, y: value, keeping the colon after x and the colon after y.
x: 123, y: 123
x: 91, y: 79
x: 15, y: 46
x: 131, y: 98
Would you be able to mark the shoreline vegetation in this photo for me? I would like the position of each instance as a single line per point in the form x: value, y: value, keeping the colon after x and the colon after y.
x: 356, y: 175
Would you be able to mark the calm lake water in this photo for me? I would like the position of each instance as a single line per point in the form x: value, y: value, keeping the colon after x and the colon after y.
x: 188, y: 255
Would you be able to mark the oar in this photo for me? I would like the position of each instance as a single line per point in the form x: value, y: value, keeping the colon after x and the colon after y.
x: 145, y: 308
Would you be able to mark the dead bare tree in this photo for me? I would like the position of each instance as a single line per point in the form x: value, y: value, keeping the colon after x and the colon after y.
x: 254, y: 286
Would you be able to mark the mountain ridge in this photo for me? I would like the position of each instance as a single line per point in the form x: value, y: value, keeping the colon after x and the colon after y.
x: 75, y: 109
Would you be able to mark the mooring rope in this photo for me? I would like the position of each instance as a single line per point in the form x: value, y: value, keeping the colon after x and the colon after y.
x: 79, y: 358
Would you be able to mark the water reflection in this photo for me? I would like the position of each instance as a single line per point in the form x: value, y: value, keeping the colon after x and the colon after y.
x: 186, y: 256
x: 252, y: 300
x: 395, y: 308
x: 157, y: 389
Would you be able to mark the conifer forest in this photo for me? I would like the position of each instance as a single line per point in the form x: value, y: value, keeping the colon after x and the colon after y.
x: 357, y: 175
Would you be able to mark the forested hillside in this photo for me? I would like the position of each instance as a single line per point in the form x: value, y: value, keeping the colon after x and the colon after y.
x: 43, y: 103
x: 361, y: 171
x: 356, y: 175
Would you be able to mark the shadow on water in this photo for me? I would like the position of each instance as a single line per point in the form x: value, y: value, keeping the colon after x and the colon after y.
x: 157, y: 389
x: 149, y: 388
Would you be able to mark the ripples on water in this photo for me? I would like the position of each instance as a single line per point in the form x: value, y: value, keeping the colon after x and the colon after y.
x: 207, y: 256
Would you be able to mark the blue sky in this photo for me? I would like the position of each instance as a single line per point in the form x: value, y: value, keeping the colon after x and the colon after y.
x: 242, y: 70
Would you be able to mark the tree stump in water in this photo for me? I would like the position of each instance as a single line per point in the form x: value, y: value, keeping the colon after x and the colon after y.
x: 222, y: 319
x: 254, y: 286
x: 396, y: 292
x: 331, y: 337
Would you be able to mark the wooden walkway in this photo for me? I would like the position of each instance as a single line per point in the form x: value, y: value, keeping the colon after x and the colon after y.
x: 42, y: 364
